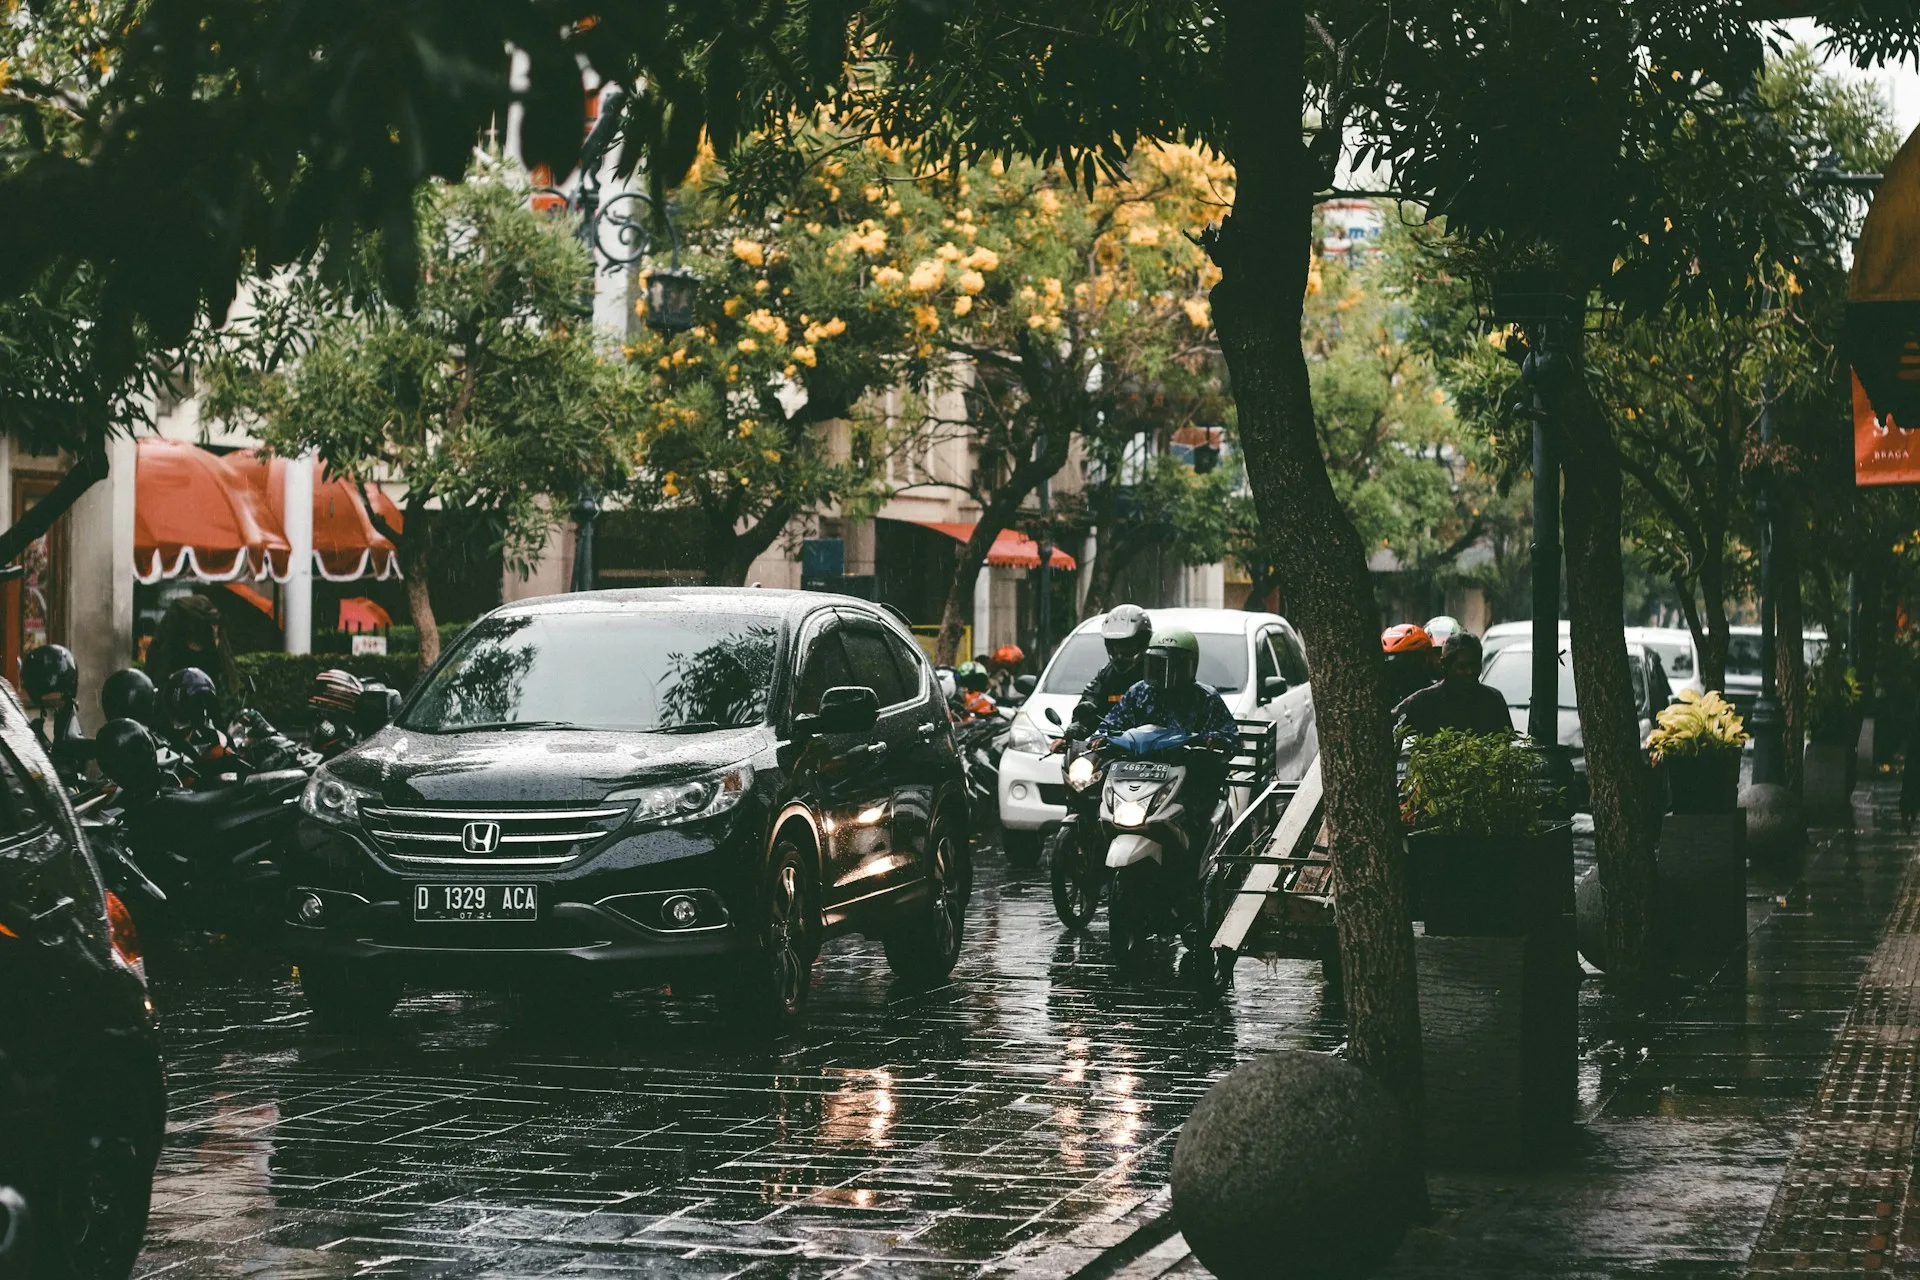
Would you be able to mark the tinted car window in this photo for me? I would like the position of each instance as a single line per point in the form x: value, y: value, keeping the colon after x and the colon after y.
x: 873, y: 662
x: 638, y: 670
x: 1223, y: 661
x: 825, y: 667
x: 1266, y: 664
x: 912, y: 663
x: 1293, y: 656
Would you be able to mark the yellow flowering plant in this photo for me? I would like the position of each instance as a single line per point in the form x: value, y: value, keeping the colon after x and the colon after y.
x: 1697, y: 724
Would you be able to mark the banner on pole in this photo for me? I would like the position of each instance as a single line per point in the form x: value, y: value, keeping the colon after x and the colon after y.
x: 1883, y: 329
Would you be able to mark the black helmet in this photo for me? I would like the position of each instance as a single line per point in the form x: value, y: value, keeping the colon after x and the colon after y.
x: 49, y: 671
x: 128, y: 695
x: 127, y: 754
x: 1173, y: 658
x: 1126, y: 630
x: 191, y: 697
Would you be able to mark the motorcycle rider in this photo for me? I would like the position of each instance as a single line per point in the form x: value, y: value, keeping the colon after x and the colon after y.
x: 973, y: 680
x: 1171, y: 696
x: 1125, y: 631
x: 1459, y: 700
x: 1412, y: 661
x: 51, y: 678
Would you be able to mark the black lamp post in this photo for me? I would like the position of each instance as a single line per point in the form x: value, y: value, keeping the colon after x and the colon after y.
x: 1769, y: 763
x: 1547, y: 313
x: 617, y: 238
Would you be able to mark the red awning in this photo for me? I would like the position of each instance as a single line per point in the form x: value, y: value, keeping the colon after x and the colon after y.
x: 1011, y: 550
x: 200, y: 515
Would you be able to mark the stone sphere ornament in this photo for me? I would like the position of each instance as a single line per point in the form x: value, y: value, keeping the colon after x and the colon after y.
x: 1776, y: 825
x: 1294, y: 1167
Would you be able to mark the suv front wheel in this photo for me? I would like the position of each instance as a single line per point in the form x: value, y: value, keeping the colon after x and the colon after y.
x: 925, y: 950
x: 776, y: 977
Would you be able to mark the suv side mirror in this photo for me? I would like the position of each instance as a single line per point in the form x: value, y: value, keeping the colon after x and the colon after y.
x: 1272, y: 687
x: 375, y: 709
x: 846, y: 708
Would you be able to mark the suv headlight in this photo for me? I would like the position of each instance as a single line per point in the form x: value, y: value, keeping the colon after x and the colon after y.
x: 330, y: 800
x: 688, y: 801
x: 1025, y: 736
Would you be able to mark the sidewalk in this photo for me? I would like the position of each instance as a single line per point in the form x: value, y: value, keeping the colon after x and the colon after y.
x: 1772, y: 1101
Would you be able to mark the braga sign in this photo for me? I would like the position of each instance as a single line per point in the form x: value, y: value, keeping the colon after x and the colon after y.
x: 1883, y: 329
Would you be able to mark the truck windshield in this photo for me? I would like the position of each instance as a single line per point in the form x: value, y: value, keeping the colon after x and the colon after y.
x: 632, y: 670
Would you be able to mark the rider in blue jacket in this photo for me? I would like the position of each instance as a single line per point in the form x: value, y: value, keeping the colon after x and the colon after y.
x: 1170, y: 696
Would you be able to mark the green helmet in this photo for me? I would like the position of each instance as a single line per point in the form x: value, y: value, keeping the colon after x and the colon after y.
x: 970, y: 676
x: 1442, y: 627
x: 1173, y: 657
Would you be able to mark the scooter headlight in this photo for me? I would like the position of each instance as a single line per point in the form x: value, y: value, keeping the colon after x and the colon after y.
x: 1130, y: 813
x: 1081, y: 774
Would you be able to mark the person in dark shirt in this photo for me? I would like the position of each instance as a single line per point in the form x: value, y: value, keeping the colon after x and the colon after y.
x: 1125, y: 631
x: 1459, y: 700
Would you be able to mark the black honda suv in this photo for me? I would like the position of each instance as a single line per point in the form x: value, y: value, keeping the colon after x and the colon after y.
x: 696, y: 786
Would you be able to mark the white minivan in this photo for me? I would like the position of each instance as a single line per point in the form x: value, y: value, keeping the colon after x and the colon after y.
x: 1254, y: 660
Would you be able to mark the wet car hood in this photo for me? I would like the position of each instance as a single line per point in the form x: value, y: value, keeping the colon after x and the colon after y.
x: 532, y: 766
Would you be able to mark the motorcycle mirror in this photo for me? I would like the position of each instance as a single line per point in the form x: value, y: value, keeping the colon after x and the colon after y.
x: 127, y: 754
x: 1053, y: 716
x: 375, y: 709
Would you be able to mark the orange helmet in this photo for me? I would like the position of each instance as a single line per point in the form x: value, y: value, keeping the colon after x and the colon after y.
x: 1407, y: 637
x: 1008, y: 655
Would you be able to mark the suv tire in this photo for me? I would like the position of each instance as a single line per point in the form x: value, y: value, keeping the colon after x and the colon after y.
x: 770, y: 988
x: 346, y: 996
x: 925, y: 949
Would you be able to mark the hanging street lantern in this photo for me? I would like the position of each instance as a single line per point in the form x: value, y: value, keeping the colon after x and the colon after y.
x: 670, y: 299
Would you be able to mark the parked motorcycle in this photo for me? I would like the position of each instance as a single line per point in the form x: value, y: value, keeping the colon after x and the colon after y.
x: 981, y: 740
x: 1158, y: 882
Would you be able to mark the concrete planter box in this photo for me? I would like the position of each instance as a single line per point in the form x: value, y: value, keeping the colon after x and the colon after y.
x: 1703, y: 880
x: 1827, y: 790
x: 1498, y: 989
x: 1706, y: 783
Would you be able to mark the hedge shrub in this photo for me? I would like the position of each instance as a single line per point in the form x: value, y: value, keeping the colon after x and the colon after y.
x: 281, y: 681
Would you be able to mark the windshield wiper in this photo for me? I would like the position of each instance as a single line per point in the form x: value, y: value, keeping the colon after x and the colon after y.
x: 503, y: 726
x: 696, y: 726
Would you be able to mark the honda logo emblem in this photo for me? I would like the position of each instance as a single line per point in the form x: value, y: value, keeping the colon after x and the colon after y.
x: 480, y: 837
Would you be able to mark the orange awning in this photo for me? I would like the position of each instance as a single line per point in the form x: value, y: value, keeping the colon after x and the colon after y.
x: 358, y: 613
x: 191, y: 520
x: 200, y: 515
x: 1011, y: 550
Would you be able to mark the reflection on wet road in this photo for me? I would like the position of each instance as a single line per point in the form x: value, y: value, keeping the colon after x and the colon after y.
x: 898, y: 1135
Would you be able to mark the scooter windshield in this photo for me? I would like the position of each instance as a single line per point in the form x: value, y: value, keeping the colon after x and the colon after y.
x: 1150, y: 740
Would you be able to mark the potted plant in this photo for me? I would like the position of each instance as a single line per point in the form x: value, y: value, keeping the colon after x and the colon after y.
x: 1697, y: 748
x: 1833, y: 711
x: 1484, y: 863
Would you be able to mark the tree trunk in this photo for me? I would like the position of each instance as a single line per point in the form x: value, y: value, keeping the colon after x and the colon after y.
x: 411, y: 547
x: 1262, y: 251
x: 1790, y: 649
x: 970, y: 561
x: 1719, y: 633
x: 1623, y: 824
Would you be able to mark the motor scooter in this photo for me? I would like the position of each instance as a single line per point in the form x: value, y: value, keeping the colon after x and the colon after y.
x: 1156, y: 876
x: 1076, y: 848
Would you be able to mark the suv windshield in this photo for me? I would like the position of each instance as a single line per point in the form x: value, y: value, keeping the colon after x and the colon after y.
x: 636, y: 670
x: 1223, y: 661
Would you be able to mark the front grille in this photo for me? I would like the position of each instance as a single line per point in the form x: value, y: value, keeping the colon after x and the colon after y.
x: 526, y: 837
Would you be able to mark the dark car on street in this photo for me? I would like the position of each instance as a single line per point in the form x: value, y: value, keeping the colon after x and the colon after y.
x: 82, y: 1094
x: 696, y: 786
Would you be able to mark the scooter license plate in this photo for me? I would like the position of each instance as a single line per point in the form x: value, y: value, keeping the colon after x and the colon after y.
x: 476, y: 902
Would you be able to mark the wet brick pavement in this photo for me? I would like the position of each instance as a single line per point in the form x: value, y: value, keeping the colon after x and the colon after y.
x: 1693, y: 1111
x: 1032, y: 1100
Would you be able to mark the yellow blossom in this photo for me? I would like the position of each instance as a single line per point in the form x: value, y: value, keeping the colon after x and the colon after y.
x: 764, y: 321
x: 748, y: 345
x: 927, y: 276
x: 886, y: 277
x: 891, y: 208
x: 759, y: 286
x: 971, y: 282
x: 746, y: 429
x: 1199, y: 314
x: 750, y: 252
x: 805, y: 355
x: 981, y: 259
x: 1143, y: 233
x: 733, y: 306
x: 771, y: 455
x: 1036, y: 321
x: 819, y: 330
x: 925, y: 317
x: 948, y: 252
x: 873, y: 193
x: 813, y: 228
x: 962, y: 305
x: 1027, y: 294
